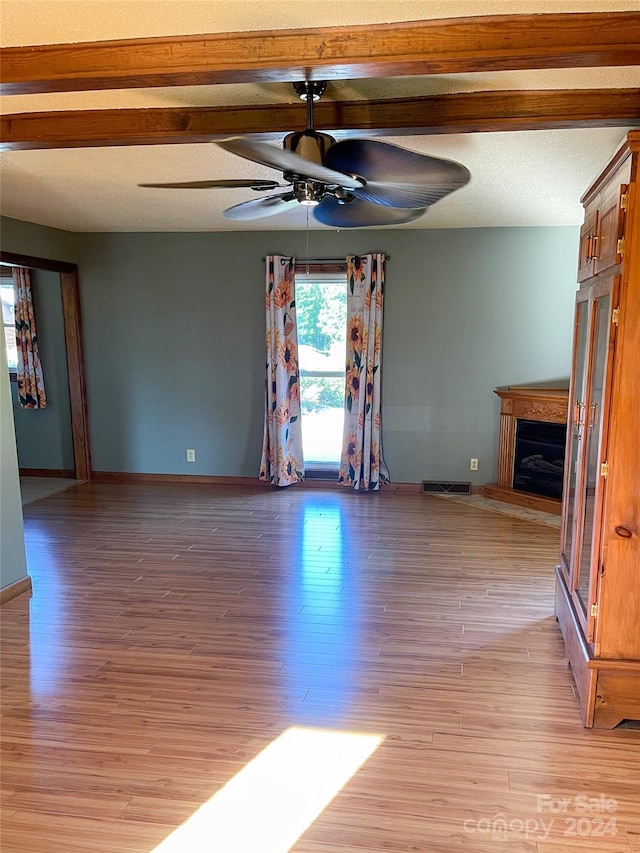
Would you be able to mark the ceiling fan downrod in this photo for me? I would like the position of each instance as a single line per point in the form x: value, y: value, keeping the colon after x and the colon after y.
x: 308, y: 143
x: 310, y: 91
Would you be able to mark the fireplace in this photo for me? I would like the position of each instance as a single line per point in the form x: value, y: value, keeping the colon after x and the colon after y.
x: 538, y: 464
x: 531, y: 446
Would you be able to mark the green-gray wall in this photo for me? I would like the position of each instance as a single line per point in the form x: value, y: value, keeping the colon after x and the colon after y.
x: 13, y: 565
x: 174, y: 329
x: 43, y: 436
x: 26, y: 238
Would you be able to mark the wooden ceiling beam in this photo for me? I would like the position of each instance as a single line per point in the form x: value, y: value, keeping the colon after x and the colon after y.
x: 458, y: 113
x: 448, y: 46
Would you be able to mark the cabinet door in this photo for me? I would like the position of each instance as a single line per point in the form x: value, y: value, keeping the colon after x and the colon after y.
x: 575, y: 428
x: 610, y: 229
x: 587, y: 244
x: 599, y: 363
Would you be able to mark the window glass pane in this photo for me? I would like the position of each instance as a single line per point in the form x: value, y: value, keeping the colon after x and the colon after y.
x: 581, y: 332
x: 321, y: 401
x: 592, y: 431
x: 12, y: 349
x: 7, y: 304
x: 321, y: 310
x: 8, y: 319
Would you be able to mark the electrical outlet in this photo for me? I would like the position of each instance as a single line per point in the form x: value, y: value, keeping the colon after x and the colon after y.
x: 473, y: 465
x: 191, y: 456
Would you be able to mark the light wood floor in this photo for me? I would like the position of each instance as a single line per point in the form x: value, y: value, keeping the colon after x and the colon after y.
x: 175, y: 631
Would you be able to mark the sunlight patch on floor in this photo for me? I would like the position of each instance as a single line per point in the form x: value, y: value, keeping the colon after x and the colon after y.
x: 270, y: 802
x: 35, y: 488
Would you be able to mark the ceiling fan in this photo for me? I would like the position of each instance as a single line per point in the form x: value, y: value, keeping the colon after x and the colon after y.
x: 350, y: 184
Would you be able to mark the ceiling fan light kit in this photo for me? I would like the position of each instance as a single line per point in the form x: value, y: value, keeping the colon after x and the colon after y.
x: 354, y: 183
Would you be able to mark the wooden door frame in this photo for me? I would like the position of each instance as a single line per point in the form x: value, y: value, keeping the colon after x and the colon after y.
x: 70, y: 292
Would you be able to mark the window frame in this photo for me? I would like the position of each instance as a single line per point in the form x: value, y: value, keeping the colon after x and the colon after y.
x: 331, y: 273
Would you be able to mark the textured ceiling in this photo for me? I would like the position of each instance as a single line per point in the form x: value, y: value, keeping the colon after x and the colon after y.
x: 59, y: 21
x: 524, y: 178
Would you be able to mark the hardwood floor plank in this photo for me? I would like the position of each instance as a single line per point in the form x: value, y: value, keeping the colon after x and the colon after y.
x: 176, y: 631
x: 634, y: 841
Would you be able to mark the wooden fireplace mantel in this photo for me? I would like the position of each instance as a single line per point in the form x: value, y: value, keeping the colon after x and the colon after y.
x: 534, y: 404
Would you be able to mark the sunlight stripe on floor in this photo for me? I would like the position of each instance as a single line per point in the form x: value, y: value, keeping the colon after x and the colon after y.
x: 268, y: 804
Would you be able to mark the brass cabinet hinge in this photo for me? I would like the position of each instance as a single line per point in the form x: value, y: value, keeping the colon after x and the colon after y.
x: 594, y: 609
x: 615, y: 316
x: 623, y: 201
x: 620, y: 247
x: 604, y: 469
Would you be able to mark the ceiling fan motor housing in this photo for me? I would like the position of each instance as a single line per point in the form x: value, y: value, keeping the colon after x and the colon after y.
x: 308, y: 144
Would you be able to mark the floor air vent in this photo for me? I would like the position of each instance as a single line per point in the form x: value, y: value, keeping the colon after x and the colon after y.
x: 446, y: 488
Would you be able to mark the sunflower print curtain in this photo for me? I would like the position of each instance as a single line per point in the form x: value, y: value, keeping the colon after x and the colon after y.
x: 282, y: 461
x: 361, y: 465
x: 31, y: 394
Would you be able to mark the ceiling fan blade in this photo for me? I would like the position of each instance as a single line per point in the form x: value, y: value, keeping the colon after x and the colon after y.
x: 359, y: 214
x: 258, y: 208
x: 396, y: 177
x: 287, y: 161
x: 222, y: 184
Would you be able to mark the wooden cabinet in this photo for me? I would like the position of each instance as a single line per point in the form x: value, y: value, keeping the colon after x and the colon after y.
x: 598, y: 577
x: 601, y: 235
x: 587, y: 241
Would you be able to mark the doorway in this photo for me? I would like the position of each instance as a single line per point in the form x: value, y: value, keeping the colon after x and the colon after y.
x: 70, y: 307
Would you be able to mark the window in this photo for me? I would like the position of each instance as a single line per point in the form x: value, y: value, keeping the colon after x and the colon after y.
x: 321, y: 309
x: 9, y: 323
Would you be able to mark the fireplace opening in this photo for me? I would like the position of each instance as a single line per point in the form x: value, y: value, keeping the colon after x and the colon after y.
x: 539, y: 458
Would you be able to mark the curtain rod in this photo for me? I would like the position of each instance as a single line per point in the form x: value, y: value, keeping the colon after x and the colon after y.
x: 341, y: 260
